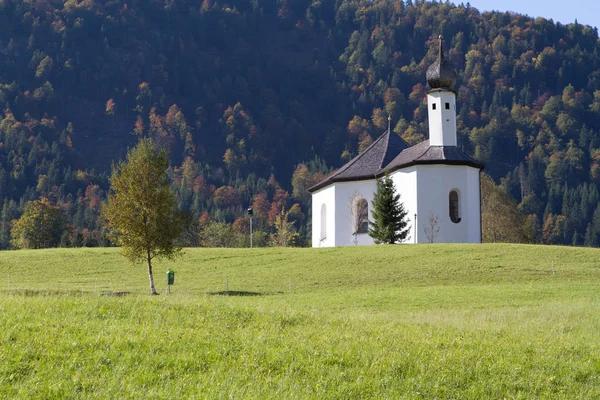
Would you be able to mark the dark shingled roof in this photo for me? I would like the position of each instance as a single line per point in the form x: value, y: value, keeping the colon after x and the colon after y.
x: 390, y: 153
x: 368, y: 163
x: 423, y: 153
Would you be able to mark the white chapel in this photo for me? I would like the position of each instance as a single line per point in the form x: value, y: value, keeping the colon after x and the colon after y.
x: 438, y: 183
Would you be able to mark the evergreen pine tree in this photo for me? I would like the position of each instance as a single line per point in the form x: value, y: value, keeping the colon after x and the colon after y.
x: 389, y: 224
x: 4, y: 227
x: 589, y: 236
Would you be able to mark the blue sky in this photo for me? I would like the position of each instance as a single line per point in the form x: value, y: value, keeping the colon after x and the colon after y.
x: 564, y: 11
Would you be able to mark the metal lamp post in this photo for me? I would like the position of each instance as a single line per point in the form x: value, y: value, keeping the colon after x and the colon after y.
x: 415, y: 228
x: 250, y: 213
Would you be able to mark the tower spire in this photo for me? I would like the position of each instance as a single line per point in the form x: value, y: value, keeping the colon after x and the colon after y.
x: 441, y: 75
x: 441, y: 101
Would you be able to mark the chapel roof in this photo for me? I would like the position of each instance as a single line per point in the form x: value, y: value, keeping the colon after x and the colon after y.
x: 368, y: 163
x: 423, y: 153
x: 389, y: 153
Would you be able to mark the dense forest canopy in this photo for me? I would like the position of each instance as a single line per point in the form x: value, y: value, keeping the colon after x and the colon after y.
x: 257, y: 100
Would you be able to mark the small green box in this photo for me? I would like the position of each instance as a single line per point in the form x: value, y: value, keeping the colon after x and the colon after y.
x: 170, y: 277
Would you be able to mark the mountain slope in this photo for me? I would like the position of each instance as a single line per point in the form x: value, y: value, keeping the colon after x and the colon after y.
x: 242, y: 90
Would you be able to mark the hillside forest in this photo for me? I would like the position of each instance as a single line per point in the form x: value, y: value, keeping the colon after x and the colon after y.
x: 257, y: 100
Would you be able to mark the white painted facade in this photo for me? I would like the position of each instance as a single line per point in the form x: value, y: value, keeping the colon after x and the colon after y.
x: 424, y: 190
x: 336, y: 200
x: 323, y: 217
x: 441, y: 106
x: 434, y: 184
x: 405, y: 182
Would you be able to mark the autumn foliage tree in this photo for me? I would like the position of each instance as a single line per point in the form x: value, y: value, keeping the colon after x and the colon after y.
x: 226, y: 196
x: 140, y: 210
x: 500, y: 217
x: 41, y: 226
x: 301, y: 182
x: 285, y: 232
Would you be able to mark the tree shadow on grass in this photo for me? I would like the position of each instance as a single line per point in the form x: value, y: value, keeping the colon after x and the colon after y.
x: 115, y: 294
x: 45, y: 293
x: 235, y: 293
x: 53, y: 293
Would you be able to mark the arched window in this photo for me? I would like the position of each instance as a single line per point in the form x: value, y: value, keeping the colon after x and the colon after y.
x: 454, y: 208
x: 323, y: 222
x: 362, y: 215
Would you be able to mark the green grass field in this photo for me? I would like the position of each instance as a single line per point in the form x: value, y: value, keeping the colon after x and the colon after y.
x: 424, y: 321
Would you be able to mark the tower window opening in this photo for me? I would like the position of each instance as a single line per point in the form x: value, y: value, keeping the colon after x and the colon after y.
x: 447, y: 106
x: 433, y: 106
x: 454, y: 209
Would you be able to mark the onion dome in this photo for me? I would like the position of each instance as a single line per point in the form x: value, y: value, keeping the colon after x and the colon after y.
x: 441, y: 75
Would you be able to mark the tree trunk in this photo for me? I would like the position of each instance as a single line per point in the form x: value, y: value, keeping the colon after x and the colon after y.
x: 152, y: 289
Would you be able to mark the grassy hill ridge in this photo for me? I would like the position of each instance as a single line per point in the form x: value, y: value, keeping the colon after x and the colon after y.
x: 425, y: 321
x: 272, y: 269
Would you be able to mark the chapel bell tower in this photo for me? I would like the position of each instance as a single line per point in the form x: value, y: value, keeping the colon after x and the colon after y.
x: 441, y: 102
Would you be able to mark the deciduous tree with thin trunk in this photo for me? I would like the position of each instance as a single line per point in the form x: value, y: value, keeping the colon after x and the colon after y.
x: 432, y: 228
x: 141, y: 211
x: 285, y: 234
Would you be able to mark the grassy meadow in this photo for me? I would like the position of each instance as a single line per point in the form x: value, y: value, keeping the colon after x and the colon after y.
x: 421, y: 321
